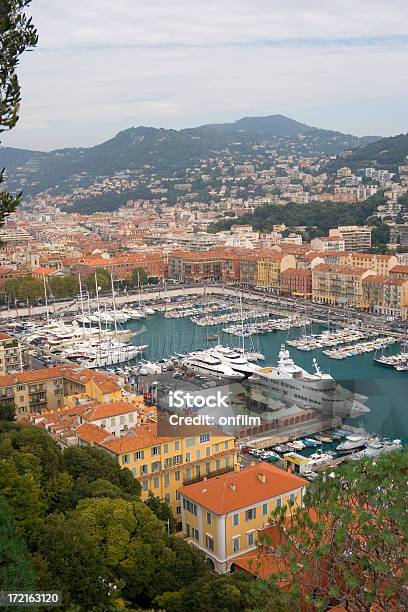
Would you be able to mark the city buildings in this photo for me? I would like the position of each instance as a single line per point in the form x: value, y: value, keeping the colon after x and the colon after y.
x: 356, y: 238
x: 11, y: 354
x: 164, y: 463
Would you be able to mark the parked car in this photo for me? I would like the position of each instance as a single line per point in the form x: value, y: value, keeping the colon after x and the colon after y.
x: 246, y: 449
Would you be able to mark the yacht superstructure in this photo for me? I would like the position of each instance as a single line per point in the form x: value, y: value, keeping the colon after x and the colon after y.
x: 317, y: 390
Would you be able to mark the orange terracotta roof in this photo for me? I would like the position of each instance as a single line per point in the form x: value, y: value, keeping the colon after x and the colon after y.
x: 340, y: 269
x: 4, y: 336
x: 44, y: 271
x: 137, y: 437
x: 104, y: 411
x: 91, y: 433
x: 229, y: 492
x: 297, y: 272
x: 399, y: 269
x: 374, y: 278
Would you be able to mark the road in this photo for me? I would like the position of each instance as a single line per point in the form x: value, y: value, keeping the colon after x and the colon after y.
x: 282, y: 305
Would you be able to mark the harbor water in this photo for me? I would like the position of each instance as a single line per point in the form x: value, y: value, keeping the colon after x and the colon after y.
x: 386, y: 388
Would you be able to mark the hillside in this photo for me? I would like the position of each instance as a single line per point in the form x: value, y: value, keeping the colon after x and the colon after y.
x: 280, y: 126
x: 387, y: 153
x: 165, y: 152
x: 319, y: 215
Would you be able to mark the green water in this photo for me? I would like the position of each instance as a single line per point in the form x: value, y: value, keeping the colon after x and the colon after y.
x: 386, y: 388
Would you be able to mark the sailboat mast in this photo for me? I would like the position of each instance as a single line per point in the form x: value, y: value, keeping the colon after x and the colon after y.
x: 99, y: 310
x: 46, y: 299
x: 82, y: 302
x: 242, y: 324
x: 114, y: 306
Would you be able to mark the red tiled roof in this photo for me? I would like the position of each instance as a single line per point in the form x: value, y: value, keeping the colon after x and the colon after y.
x: 91, y: 433
x: 229, y: 492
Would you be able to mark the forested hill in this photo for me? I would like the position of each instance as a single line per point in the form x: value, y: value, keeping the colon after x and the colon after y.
x: 164, y: 151
x: 321, y: 215
x: 387, y: 153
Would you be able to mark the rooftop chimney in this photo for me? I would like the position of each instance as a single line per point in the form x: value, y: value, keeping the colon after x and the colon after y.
x: 261, y: 477
x: 233, y: 486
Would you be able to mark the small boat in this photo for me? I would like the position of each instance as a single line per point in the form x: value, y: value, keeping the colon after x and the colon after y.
x: 324, y: 438
x: 281, y: 448
x: 352, y: 443
x: 297, y: 444
x: 311, y: 442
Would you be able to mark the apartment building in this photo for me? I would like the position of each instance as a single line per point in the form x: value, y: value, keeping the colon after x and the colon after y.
x: 121, y: 266
x: 163, y: 464
x: 399, y: 271
x: 356, y: 237
x: 296, y: 282
x: 341, y: 285
x: 328, y: 243
x: 195, y: 266
x: 399, y: 234
x: 11, y: 354
x: 373, y: 292
x: 270, y: 265
x: 35, y: 391
x: 395, y: 298
x: 380, y: 264
x: 221, y: 516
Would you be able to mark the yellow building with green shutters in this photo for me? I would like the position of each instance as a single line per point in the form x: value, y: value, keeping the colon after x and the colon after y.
x: 221, y: 516
x: 163, y: 464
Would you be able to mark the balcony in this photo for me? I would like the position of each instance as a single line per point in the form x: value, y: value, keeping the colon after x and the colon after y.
x: 223, y: 470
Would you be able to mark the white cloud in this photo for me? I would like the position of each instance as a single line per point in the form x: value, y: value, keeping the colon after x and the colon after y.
x: 103, y: 65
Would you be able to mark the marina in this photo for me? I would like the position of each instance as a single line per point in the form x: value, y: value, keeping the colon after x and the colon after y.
x: 399, y: 361
x: 161, y: 343
x: 351, y: 350
x: 329, y: 338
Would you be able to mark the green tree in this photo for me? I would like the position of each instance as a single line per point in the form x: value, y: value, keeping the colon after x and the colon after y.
x: 139, y: 277
x: 349, y: 544
x: 63, y: 286
x: 17, y: 34
x: 103, y: 278
x: 16, y: 571
x: 70, y: 560
x: 24, y: 495
x: 161, y: 508
x: 26, y: 288
x: 92, y: 464
x: 7, y: 412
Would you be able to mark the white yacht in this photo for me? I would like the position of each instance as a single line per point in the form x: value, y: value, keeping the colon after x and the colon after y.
x: 105, y: 354
x: 205, y: 363
x: 317, y: 390
x: 236, y: 360
x: 352, y: 443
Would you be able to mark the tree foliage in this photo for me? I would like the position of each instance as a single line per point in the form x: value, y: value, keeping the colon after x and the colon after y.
x: 17, y: 34
x: 16, y: 571
x: 7, y: 412
x: 322, y: 215
x: 139, y: 277
x: 25, y: 288
x: 161, y: 508
x: 349, y: 544
x: 103, y: 278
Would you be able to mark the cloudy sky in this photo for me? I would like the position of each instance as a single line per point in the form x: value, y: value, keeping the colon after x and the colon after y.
x: 105, y: 65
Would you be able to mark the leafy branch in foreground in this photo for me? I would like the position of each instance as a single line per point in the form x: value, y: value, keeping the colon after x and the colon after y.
x: 17, y: 33
x: 348, y: 545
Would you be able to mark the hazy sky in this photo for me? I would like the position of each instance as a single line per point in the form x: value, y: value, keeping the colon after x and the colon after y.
x: 104, y: 65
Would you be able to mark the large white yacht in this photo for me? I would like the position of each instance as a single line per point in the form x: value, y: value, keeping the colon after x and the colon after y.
x: 105, y: 354
x: 204, y: 362
x: 316, y: 390
x: 60, y: 336
x: 237, y: 360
